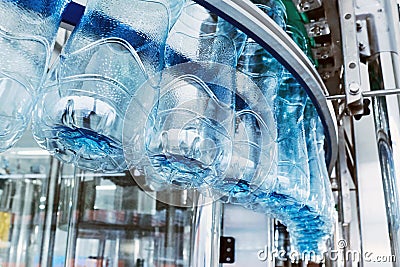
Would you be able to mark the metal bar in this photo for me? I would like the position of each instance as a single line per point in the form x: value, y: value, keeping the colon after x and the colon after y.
x: 386, y: 117
x: 170, y: 236
x: 49, y: 227
x: 345, y: 217
x: 351, y: 59
x: 354, y: 174
x: 375, y: 93
x: 206, y: 229
x: 73, y: 220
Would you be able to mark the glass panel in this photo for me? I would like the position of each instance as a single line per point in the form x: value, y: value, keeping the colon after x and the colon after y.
x: 112, y: 222
x: 23, y: 189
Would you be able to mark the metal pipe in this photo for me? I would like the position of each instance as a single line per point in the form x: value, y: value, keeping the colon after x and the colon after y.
x: 49, y: 227
x: 375, y: 93
x: 387, y: 115
x: 73, y: 219
x: 206, y: 233
x: 384, y: 73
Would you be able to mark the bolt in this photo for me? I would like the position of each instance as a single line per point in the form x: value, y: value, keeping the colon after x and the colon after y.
x: 358, y: 25
x: 326, y: 75
x: 361, y: 46
x: 316, y: 30
x: 354, y: 88
x: 304, y: 6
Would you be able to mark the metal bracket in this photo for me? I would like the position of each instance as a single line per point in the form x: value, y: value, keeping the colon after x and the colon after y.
x: 322, y: 52
x: 227, y: 249
x: 318, y: 28
x: 351, y: 59
x: 307, y: 5
x: 363, y: 40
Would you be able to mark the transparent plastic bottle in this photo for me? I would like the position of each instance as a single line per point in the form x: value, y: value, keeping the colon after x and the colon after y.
x: 257, y: 63
x: 293, y: 171
x: 313, y: 224
x: 188, y: 134
x: 109, y: 55
x: 330, y: 201
x: 194, y: 37
x: 311, y: 218
x: 253, y: 152
x: 292, y: 182
x: 28, y: 30
x: 175, y: 8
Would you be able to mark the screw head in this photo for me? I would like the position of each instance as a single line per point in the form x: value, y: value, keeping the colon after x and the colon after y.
x: 358, y: 25
x: 305, y: 6
x: 354, y: 88
x: 326, y: 75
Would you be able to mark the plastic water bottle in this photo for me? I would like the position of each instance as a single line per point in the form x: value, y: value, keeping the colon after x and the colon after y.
x: 28, y: 30
x: 292, y: 187
x: 109, y: 55
x: 312, y: 225
x: 237, y: 36
x: 194, y: 37
x: 293, y: 172
x: 188, y: 132
x: 265, y: 71
x: 175, y: 8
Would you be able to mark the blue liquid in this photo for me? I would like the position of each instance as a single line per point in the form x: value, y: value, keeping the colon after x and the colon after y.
x: 93, y: 150
x: 200, y: 153
x: 45, y: 8
x: 306, y: 225
x: 180, y: 170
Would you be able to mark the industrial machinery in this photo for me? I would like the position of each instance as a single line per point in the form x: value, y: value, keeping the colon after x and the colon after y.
x: 54, y: 214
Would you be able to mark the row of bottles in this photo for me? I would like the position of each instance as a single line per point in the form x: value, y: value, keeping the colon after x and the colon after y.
x: 176, y: 92
x: 301, y: 196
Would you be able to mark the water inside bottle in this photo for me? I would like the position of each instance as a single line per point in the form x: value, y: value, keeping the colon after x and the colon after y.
x: 83, y: 129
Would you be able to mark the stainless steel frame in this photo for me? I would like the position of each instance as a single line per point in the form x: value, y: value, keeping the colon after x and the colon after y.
x: 377, y: 38
x: 384, y: 73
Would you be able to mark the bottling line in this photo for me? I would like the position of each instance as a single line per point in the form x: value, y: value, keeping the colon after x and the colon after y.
x: 158, y: 141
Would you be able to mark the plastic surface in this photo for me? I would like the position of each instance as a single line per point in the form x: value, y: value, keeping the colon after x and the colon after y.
x: 191, y: 123
x: 27, y: 33
x: 108, y: 56
x: 186, y: 133
x: 314, y: 223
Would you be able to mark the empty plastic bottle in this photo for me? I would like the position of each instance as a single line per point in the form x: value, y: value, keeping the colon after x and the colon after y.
x: 194, y: 37
x: 292, y: 183
x: 313, y: 224
x: 293, y: 171
x: 175, y: 9
x: 253, y: 155
x: 109, y: 55
x: 190, y: 124
x: 28, y: 30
